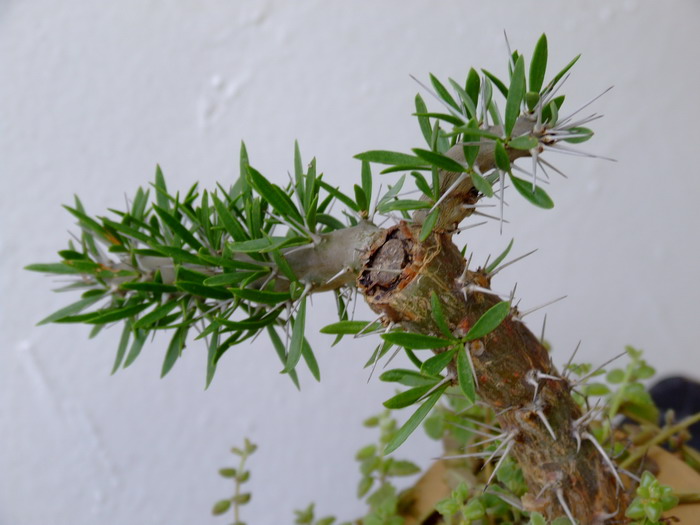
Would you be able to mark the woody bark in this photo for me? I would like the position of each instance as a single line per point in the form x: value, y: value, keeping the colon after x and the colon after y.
x: 400, y: 275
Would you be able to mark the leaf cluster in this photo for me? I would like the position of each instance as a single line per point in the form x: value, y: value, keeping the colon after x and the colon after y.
x: 473, y: 120
x: 210, y: 261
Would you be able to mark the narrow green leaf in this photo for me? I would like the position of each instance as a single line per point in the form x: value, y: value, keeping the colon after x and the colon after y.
x: 538, y: 196
x: 241, y: 186
x: 211, y: 358
x: 494, y: 264
x: 403, y: 205
x: 393, y: 191
x: 229, y: 222
x: 439, y: 161
x: 178, y: 254
x: 349, y: 327
x: 252, y: 323
x: 251, y: 246
x: 138, y: 206
x: 442, y: 92
x: 465, y: 375
x: 473, y: 132
x: 471, y: 151
x: 497, y: 82
x: 361, y: 198
x: 429, y: 224
x: 481, y: 184
x: 85, y: 266
x: 273, y: 195
x: 416, y: 341
x: 422, y: 184
x: 561, y: 73
x: 298, y: 172
x: 339, y: 195
x: 413, y: 422
x: 283, y: 265
x: 438, y: 316
x: 516, y: 92
x: 407, y: 377
x: 423, y: 122
x: 182, y: 273
x: 308, y: 354
x: 379, y: 352
x: 390, y: 157
x: 177, y: 228
x: 156, y: 315
x: 502, y: 159
x: 446, y: 117
x: 538, y: 64
x: 367, y: 181
x: 282, y: 353
x: 72, y: 255
x: 585, y: 133
x: 149, y: 287
x: 71, y: 309
x: 117, y: 314
x: 437, y: 363
x: 404, y: 167
x: 550, y: 113
x: 161, y: 190
x: 228, y: 279
x: 260, y: 296
x: 466, y: 99
x: 296, y: 344
x: 139, y: 340
x: 174, y: 351
x: 489, y: 321
x: 127, y: 230
x: 57, y: 268
x: 331, y: 222
x: 408, y: 397
x: 90, y: 223
x: 523, y: 142
x: 201, y: 290
x: 413, y: 358
x: 473, y: 86
x: 121, y: 348
x: 268, y: 245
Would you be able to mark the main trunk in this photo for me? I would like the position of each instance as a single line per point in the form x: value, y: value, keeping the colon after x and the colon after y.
x: 560, y: 468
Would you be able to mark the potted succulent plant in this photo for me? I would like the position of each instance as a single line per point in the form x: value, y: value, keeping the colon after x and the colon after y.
x: 524, y: 442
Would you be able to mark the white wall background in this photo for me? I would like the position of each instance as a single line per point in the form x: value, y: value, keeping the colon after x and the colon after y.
x: 93, y: 94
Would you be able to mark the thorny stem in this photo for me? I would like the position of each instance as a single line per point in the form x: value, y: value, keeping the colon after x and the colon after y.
x: 579, y: 479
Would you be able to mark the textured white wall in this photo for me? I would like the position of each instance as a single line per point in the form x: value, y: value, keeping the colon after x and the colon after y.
x: 93, y: 94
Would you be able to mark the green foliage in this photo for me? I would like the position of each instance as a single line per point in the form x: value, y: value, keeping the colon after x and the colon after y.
x: 307, y: 517
x: 462, y: 508
x: 631, y: 397
x: 377, y: 470
x: 239, y: 475
x: 214, y: 259
x: 652, y: 500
